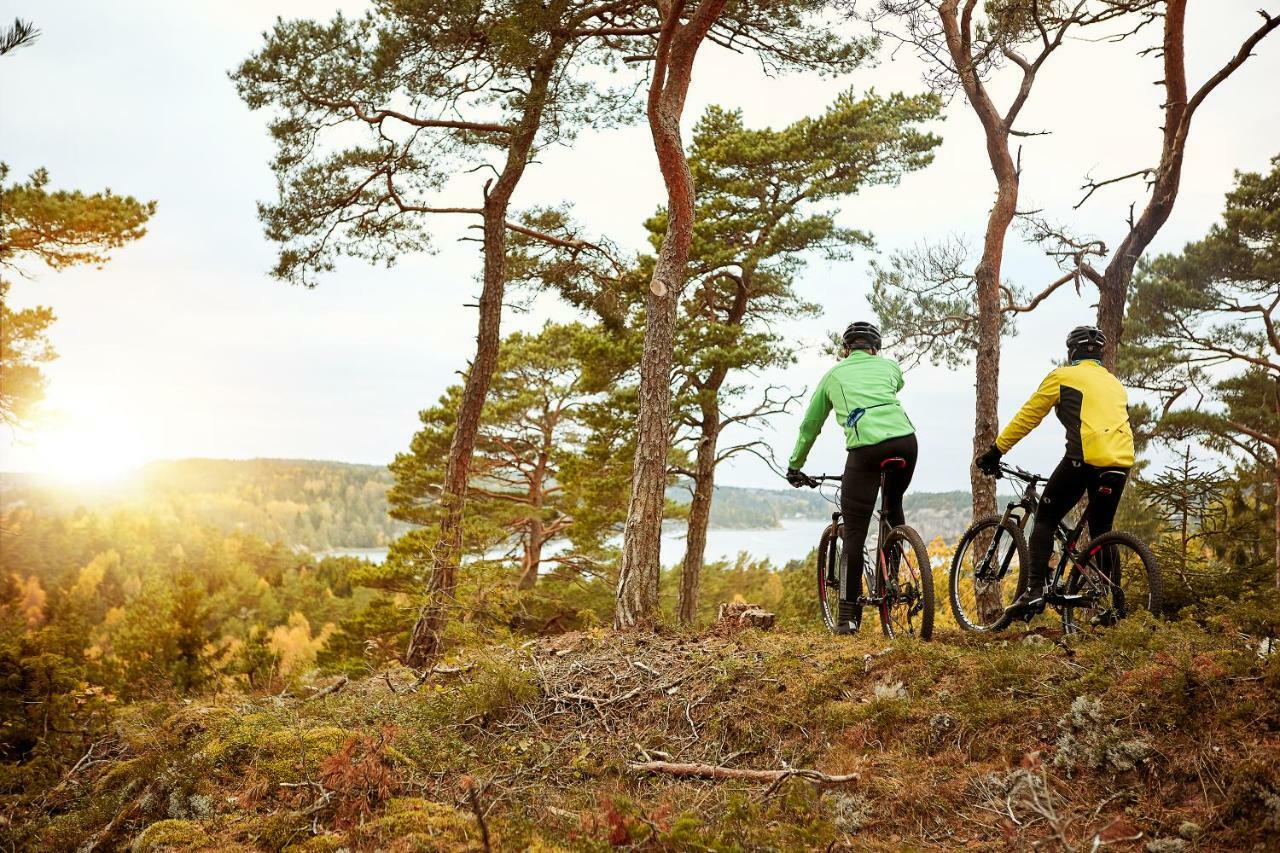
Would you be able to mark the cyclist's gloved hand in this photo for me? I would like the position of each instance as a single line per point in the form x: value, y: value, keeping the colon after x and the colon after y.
x: 797, y: 478
x: 989, y: 462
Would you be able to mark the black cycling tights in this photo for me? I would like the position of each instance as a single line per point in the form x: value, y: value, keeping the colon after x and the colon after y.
x: 1068, y: 483
x: 859, y: 488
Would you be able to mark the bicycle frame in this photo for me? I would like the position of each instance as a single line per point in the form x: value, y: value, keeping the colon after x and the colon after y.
x: 883, y: 528
x: 1022, y: 511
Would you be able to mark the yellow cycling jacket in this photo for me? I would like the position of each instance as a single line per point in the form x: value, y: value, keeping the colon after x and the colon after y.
x: 1092, y: 405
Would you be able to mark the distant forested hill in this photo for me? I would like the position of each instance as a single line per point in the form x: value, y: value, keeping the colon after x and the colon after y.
x: 943, y: 514
x: 300, y: 502
x: 321, y: 505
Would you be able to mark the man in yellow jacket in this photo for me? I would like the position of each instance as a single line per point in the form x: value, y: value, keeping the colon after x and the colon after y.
x: 1094, y: 408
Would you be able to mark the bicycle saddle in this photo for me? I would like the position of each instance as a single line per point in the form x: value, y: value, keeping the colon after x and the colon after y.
x: 893, y: 462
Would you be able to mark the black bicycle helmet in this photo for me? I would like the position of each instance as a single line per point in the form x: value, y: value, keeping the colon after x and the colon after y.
x: 1085, y: 339
x: 862, y: 335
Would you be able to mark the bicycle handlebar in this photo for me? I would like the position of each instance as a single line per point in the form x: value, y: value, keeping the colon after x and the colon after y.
x: 1017, y: 473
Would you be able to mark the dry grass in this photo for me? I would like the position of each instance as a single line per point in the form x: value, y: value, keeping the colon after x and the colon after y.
x: 1165, y: 734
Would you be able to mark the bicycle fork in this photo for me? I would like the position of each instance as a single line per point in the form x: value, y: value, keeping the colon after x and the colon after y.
x: 984, y: 574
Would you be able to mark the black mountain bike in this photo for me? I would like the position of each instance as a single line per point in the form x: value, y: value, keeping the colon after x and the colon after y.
x: 898, y: 583
x: 1097, y: 583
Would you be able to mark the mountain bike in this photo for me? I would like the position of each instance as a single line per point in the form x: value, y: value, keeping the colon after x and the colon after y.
x: 1097, y: 583
x: 899, y: 580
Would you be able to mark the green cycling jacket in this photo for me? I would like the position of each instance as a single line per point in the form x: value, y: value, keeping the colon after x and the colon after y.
x: 863, y: 391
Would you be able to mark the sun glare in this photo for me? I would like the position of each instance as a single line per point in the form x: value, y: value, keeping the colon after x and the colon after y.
x: 86, y: 452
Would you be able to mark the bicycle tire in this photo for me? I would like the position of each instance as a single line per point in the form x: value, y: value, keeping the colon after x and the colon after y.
x: 825, y: 606
x: 831, y: 550
x: 1126, y: 583
x: 906, y: 537
x: 966, y: 612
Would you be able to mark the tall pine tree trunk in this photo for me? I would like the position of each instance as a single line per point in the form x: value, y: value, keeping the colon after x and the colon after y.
x: 986, y: 416
x: 995, y: 127
x: 704, y: 476
x: 640, y: 567
x: 1275, y: 448
x: 704, y: 483
x: 1276, y: 486
x: 425, y: 639
x: 532, y: 552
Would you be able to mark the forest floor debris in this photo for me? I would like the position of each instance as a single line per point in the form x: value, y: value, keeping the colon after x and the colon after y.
x: 1144, y: 734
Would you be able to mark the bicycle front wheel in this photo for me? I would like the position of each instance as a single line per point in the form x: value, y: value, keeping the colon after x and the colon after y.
x: 904, y: 585
x: 833, y: 566
x: 828, y: 593
x: 987, y: 573
x: 1118, y: 575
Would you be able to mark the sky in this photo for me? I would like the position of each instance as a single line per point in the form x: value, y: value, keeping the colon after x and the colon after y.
x: 184, y: 346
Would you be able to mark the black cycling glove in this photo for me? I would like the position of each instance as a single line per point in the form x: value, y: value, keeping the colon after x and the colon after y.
x: 989, y: 462
x: 797, y: 478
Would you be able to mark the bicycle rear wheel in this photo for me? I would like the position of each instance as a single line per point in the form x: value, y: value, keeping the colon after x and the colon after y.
x: 1120, y: 574
x: 831, y: 554
x: 987, y: 572
x: 904, y: 585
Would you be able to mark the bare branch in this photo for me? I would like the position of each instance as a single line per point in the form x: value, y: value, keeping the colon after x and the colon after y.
x: 1246, y: 50
x: 1093, y: 186
x: 378, y: 117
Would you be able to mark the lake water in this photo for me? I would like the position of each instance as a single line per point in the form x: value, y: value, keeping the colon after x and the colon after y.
x: 792, y: 541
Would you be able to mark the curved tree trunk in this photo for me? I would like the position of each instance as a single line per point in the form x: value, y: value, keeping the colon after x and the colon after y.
x: 986, y: 417
x: 424, y: 640
x: 532, y: 553
x: 1179, y: 108
x: 1276, y: 484
x: 640, y: 567
x: 704, y: 483
x: 987, y: 275
x: 1114, y: 288
x: 704, y: 475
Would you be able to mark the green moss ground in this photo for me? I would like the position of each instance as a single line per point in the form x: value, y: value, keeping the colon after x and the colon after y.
x: 1164, y: 734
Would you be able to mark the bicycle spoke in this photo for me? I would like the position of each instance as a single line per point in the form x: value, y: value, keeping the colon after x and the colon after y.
x: 1117, y: 576
x: 985, y: 572
x: 906, y: 609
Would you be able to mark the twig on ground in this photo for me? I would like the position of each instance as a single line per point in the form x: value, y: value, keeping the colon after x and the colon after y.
x: 473, y: 799
x: 715, y: 771
x: 330, y: 690
x: 644, y: 667
x: 689, y: 716
x: 598, y: 701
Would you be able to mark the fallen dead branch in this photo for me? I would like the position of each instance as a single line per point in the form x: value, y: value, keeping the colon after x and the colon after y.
x: 439, y: 669
x: 330, y: 690
x: 598, y: 701
x: 715, y: 771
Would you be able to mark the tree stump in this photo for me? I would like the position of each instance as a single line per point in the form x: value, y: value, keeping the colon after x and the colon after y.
x: 738, y: 615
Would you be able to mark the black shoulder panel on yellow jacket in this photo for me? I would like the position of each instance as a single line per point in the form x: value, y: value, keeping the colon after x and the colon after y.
x: 1070, y: 404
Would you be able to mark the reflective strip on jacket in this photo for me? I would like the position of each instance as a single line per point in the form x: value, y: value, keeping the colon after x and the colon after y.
x: 1092, y: 405
x: 862, y: 390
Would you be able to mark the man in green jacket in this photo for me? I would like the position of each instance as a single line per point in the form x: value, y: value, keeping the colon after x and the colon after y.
x: 862, y: 390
